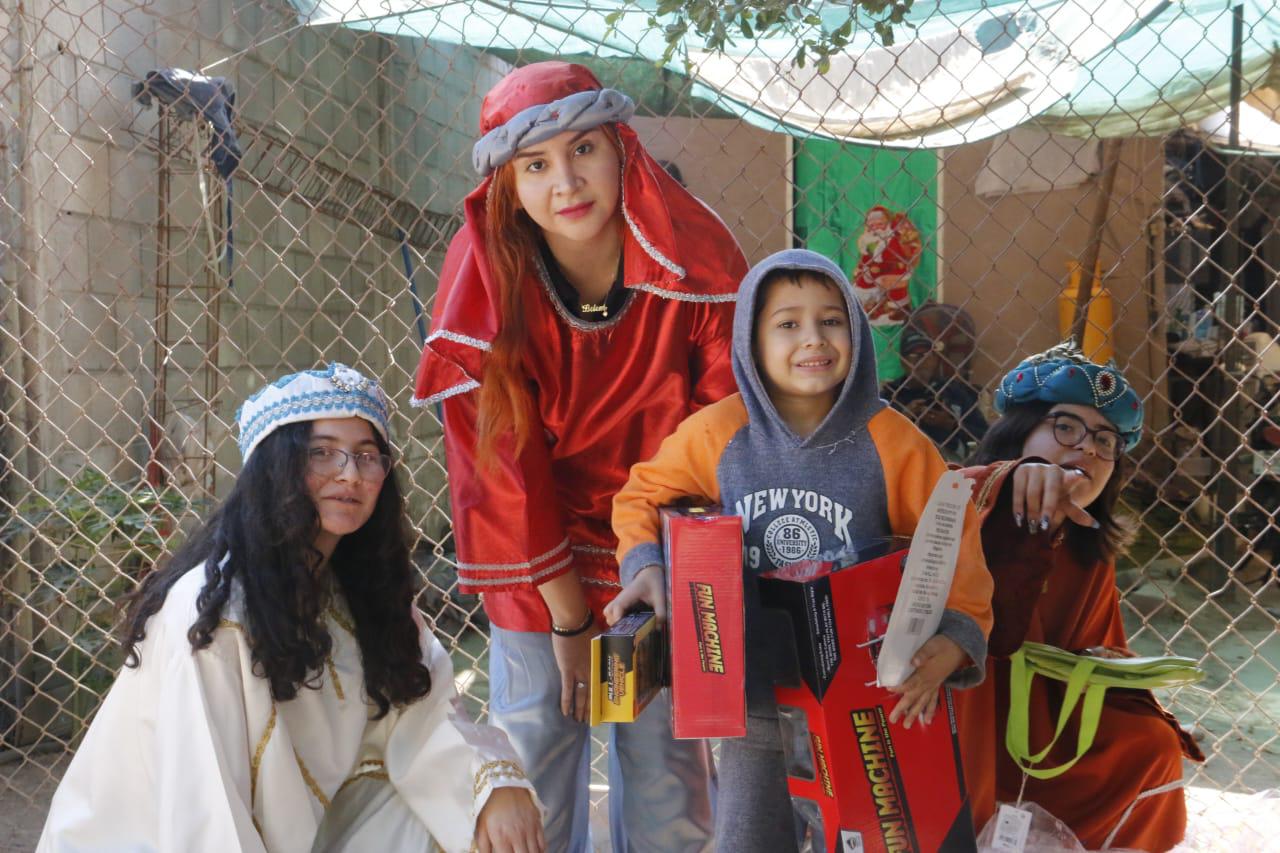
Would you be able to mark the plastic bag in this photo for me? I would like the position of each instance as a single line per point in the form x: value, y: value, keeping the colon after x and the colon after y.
x: 1046, y: 835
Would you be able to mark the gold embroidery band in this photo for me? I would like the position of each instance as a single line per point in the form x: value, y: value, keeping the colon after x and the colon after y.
x: 491, y: 770
x: 996, y: 475
x: 310, y: 780
x: 257, y: 758
x: 366, y: 770
x: 333, y: 676
x: 343, y: 622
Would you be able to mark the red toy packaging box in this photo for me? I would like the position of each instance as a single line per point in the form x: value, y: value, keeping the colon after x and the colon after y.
x: 857, y: 782
x: 704, y: 585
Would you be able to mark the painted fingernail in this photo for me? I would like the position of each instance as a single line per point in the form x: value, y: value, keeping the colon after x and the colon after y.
x: 1096, y: 525
x: 1044, y: 522
x: 1017, y: 519
x: 1032, y: 527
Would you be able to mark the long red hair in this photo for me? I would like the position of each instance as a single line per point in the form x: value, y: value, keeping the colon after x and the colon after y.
x: 511, y: 244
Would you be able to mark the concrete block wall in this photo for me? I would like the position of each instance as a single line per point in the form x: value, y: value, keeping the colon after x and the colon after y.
x: 741, y: 171
x: 1005, y: 258
x: 399, y: 114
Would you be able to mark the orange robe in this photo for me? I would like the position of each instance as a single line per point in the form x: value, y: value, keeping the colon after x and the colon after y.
x: 1139, y: 745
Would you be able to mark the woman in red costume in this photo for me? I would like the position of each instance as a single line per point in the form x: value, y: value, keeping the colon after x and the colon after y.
x: 1048, y: 475
x: 584, y: 310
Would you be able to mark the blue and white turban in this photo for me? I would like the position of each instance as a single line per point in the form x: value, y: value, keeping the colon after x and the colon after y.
x: 335, y: 392
x: 1063, y: 375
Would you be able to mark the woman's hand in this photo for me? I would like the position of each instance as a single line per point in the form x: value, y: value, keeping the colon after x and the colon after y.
x: 510, y: 823
x: 937, y: 659
x: 649, y: 587
x: 568, y: 608
x: 1042, y: 497
x: 573, y: 656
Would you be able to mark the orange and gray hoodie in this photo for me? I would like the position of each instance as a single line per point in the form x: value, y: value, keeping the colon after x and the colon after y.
x: 865, y: 472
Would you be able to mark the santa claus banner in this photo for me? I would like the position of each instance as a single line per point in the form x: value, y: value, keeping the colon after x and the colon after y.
x: 874, y: 211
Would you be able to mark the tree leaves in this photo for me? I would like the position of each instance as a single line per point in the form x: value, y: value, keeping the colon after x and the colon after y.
x: 820, y: 29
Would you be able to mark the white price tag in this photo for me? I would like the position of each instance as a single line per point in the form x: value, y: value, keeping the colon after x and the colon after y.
x: 926, y: 580
x: 1012, y: 826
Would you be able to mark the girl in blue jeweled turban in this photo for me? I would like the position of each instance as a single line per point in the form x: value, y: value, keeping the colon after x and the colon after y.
x: 1048, y: 476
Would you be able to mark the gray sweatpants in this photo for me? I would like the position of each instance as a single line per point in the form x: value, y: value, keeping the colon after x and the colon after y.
x: 753, y: 808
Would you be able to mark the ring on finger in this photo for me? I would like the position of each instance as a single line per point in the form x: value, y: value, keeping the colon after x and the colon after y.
x: 581, y: 685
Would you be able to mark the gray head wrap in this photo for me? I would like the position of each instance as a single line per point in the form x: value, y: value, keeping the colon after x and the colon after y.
x: 579, y: 111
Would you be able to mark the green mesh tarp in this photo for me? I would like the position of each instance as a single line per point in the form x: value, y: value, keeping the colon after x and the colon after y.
x: 962, y: 70
x: 1170, y: 71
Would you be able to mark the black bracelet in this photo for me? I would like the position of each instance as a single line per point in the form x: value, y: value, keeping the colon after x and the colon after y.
x: 573, y: 632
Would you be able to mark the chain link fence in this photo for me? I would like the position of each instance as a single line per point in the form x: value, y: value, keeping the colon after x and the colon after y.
x: 144, y: 297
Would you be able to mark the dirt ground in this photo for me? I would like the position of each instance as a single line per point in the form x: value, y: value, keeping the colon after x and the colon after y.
x: 1236, y: 709
x: 1219, y: 821
x: 1234, y: 798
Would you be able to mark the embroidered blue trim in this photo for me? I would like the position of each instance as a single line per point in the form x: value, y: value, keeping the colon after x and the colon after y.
x: 306, y: 407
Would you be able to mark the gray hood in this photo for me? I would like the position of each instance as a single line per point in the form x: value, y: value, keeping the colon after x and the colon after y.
x: 859, y: 398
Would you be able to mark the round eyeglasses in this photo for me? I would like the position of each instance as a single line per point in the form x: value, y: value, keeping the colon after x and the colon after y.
x: 332, y: 461
x: 1069, y: 431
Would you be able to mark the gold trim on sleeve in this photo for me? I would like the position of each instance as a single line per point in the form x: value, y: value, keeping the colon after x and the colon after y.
x: 996, y: 475
x: 491, y: 770
x: 365, y: 770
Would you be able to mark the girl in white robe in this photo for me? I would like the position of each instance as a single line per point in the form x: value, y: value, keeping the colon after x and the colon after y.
x: 279, y: 693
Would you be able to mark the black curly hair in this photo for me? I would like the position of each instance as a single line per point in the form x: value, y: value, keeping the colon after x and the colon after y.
x: 1005, y: 440
x: 265, y: 529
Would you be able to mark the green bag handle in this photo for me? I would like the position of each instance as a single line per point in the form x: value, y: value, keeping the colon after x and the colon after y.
x: 1017, y: 732
x: 1090, y: 676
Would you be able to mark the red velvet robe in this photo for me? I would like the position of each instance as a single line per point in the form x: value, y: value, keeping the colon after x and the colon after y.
x: 606, y: 394
x: 1139, y: 745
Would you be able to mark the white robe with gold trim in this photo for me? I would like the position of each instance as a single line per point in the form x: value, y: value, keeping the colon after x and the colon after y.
x: 190, y: 753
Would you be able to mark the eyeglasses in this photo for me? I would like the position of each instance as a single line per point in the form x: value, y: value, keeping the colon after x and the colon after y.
x: 331, y: 461
x: 1069, y: 431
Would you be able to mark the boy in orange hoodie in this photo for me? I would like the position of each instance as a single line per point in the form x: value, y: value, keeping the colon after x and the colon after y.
x: 814, y: 462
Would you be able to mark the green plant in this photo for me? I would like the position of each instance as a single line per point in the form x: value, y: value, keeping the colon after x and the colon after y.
x: 83, y: 545
x: 93, y: 514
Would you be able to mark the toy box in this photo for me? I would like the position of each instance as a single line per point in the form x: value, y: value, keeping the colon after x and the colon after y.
x: 857, y: 782
x: 628, y: 668
x: 704, y: 584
